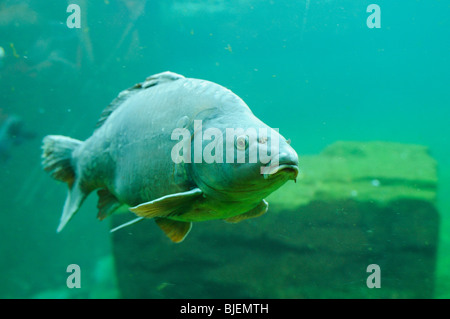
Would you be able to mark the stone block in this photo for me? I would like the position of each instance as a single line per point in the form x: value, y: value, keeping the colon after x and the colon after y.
x: 355, y: 204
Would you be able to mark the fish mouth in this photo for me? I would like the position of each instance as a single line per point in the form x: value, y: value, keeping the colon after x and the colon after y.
x: 284, y: 169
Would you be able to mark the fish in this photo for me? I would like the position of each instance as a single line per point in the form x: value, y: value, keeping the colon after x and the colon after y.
x: 12, y: 133
x: 161, y: 149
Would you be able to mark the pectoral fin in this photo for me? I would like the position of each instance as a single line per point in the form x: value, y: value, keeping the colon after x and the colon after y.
x: 175, y: 230
x: 168, y: 205
x: 259, y: 210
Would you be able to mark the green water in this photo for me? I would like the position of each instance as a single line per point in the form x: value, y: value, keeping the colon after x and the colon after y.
x: 311, y: 68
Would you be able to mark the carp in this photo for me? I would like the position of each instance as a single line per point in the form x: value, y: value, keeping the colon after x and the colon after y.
x: 177, y: 150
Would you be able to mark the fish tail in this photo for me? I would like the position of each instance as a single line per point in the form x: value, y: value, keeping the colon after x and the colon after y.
x: 57, y: 157
x: 57, y: 160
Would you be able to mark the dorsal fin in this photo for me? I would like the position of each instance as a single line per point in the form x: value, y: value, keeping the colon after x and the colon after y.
x: 125, y: 94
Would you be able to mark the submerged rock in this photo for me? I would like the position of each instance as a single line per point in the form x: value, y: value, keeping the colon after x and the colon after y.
x: 354, y: 205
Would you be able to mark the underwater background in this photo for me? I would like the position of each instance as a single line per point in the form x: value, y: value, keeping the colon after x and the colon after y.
x: 313, y: 69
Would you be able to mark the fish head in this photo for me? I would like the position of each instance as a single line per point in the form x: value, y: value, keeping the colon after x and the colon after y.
x: 245, y: 162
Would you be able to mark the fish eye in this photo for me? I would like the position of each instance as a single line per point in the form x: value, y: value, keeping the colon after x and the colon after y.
x: 241, y: 142
x: 262, y: 140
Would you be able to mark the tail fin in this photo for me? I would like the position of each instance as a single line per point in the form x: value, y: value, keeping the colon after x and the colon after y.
x: 57, y: 161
